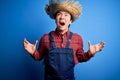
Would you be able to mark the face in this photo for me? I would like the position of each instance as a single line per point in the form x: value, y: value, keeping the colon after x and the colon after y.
x: 63, y: 20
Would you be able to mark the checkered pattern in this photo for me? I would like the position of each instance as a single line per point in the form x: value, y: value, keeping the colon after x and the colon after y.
x: 60, y: 42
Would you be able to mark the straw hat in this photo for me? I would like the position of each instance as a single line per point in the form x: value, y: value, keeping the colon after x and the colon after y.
x: 72, y: 7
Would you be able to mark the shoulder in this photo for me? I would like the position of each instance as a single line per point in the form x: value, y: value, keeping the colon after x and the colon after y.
x: 76, y: 36
x: 77, y: 39
x: 45, y: 37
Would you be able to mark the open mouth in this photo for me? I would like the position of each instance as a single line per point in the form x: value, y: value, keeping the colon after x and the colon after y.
x: 62, y: 23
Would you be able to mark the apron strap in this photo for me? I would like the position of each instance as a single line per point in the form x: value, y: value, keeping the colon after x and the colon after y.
x: 69, y: 40
x: 52, y: 45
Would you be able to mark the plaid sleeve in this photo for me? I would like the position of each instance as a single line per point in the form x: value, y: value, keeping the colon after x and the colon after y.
x: 40, y: 52
x: 80, y: 55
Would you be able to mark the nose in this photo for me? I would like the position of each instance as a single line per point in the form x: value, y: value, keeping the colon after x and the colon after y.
x: 62, y: 16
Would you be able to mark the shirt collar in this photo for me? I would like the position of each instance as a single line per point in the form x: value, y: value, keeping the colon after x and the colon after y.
x: 59, y: 34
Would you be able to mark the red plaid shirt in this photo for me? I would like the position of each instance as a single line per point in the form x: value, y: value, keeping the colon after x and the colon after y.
x: 60, y: 42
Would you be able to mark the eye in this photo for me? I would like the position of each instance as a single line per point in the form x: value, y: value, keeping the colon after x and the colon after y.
x: 58, y: 14
x: 66, y: 15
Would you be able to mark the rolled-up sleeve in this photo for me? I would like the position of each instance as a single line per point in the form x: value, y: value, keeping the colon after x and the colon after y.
x: 40, y: 52
x: 80, y: 54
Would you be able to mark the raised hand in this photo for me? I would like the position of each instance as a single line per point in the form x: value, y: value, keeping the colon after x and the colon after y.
x: 30, y: 47
x: 95, y: 48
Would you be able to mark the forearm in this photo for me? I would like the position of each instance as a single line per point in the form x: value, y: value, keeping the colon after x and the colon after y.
x: 36, y: 55
x: 83, y: 56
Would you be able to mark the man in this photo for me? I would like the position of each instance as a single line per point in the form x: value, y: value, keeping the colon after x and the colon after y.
x: 62, y: 49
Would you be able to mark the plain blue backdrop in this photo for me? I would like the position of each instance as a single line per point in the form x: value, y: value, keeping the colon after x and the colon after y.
x: 100, y: 21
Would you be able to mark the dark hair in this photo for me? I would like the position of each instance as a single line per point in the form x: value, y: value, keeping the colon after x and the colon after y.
x: 58, y: 12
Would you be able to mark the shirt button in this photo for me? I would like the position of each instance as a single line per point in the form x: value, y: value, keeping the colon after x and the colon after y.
x: 63, y: 37
x: 62, y: 45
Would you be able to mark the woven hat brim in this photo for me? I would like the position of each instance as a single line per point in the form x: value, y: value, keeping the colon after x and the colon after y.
x: 75, y: 11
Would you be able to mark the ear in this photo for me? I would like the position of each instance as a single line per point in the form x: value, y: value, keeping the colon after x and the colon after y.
x: 70, y: 21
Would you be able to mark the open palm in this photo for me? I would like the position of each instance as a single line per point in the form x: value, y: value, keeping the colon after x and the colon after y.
x: 30, y: 47
x: 95, y: 48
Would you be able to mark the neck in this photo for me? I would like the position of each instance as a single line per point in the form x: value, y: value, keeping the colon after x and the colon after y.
x: 62, y: 31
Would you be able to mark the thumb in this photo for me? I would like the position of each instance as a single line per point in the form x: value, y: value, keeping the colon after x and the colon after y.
x: 36, y: 42
x: 89, y: 44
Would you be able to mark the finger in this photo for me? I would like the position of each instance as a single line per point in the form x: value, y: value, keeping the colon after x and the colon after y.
x: 102, y: 44
x: 89, y: 44
x: 25, y: 40
x: 36, y: 42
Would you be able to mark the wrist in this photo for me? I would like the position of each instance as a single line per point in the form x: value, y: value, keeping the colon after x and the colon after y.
x: 32, y: 54
x: 90, y: 53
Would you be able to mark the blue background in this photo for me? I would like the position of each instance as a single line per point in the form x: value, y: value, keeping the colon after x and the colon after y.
x: 100, y: 20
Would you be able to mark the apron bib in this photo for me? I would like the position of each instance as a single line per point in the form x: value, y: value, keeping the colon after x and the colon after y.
x: 59, y: 64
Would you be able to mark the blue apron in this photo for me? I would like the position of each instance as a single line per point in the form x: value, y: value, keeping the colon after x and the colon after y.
x: 59, y: 64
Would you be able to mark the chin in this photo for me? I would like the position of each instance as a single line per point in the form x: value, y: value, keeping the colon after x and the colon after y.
x: 61, y: 28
